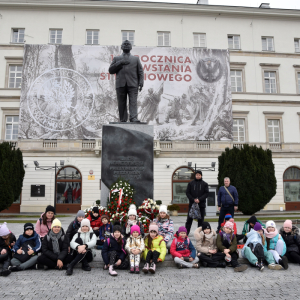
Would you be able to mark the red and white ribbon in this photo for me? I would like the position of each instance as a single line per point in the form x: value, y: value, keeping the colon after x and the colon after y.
x: 120, y: 195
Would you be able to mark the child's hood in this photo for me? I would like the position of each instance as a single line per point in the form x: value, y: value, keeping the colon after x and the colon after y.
x: 91, y: 230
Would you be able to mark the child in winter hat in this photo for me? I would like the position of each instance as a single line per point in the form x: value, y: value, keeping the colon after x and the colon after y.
x: 6, y: 243
x: 104, y: 231
x: 56, y: 223
x: 134, y: 247
x: 4, y: 230
x: 275, y: 245
x: 132, y: 220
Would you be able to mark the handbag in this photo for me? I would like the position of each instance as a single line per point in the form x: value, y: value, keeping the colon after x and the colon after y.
x: 194, y: 212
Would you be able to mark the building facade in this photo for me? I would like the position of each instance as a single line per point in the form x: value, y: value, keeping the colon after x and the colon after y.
x: 264, y: 47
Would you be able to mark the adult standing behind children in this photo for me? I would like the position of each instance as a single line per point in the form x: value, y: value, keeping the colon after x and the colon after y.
x: 197, y: 192
x: 43, y: 224
x: 228, y: 200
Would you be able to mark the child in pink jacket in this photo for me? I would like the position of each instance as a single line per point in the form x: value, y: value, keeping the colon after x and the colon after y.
x: 43, y: 224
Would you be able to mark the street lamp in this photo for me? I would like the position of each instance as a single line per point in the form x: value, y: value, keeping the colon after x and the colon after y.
x: 46, y: 168
x: 211, y: 168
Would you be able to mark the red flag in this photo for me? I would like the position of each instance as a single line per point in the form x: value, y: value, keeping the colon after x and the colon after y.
x: 66, y: 191
x: 78, y: 191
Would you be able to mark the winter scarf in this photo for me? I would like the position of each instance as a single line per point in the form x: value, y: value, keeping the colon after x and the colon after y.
x: 129, y: 224
x: 94, y: 218
x: 227, y: 236
x: 54, y: 238
x: 271, y: 235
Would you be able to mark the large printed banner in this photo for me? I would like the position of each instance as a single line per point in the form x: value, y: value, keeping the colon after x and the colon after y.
x: 67, y: 92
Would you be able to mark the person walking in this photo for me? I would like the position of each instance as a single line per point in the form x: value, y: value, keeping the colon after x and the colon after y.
x: 228, y: 200
x: 197, y: 192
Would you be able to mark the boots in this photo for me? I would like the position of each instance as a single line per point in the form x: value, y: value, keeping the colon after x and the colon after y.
x: 15, y: 268
x: 222, y: 264
x: 146, y: 268
x: 137, y: 270
x: 72, y: 264
x: 85, y: 265
x: 131, y: 269
x: 152, y: 268
x: 284, y: 262
x: 112, y: 272
x: 5, y: 272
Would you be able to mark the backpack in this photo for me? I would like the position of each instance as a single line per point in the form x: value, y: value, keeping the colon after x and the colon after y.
x: 25, y: 256
x: 194, y: 212
x: 91, y: 235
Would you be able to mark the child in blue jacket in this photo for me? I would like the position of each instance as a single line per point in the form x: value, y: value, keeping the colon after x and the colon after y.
x: 275, y: 245
x: 254, y: 248
x: 104, y: 231
x: 26, y: 249
x: 113, y: 252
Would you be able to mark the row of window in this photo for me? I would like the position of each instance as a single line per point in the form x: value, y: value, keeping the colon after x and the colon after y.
x: 270, y: 79
x: 163, y: 39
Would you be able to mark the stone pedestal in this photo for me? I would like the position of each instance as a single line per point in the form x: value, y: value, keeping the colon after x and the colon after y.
x: 127, y: 152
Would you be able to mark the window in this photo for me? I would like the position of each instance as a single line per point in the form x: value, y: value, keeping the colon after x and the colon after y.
x: 234, y: 42
x: 11, y: 127
x: 267, y: 43
x: 236, y: 80
x: 92, y: 37
x: 239, y: 130
x: 297, y: 45
x: 15, y: 76
x: 128, y: 35
x: 291, y: 184
x: 270, y: 82
x: 163, y: 39
x: 274, y: 131
x: 298, y: 81
x: 200, y: 40
x: 55, y: 36
x: 18, y: 35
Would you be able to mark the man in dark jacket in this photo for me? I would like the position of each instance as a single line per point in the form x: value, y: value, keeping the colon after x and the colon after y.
x: 228, y: 200
x: 197, y: 192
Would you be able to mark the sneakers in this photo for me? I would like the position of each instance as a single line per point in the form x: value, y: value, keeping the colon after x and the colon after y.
x: 284, y: 262
x: 137, y: 270
x: 46, y: 267
x: 131, y: 270
x: 15, y: 268
x: 275, y: 267
x: 69, y: 271
x: 146, y: 268
x: 112, y: 272
x: 204, y: 264
x: 260, y: 266
x: 152, y: 268
x: 240, y: 268
x: 179, y: 266
x: 5, y: 273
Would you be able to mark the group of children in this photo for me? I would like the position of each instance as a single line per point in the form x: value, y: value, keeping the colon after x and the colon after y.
x: 123, y: 246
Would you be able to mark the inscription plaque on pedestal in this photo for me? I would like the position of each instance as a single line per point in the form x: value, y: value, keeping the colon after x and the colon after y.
x: 127, y: 152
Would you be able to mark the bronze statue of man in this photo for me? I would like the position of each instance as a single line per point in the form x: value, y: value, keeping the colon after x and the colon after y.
x: 130, y: 79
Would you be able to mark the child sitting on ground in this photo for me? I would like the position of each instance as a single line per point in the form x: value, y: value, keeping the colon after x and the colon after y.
x: 248, y: 225
x: 95, y: 220
x: 275, y: 245
x: 134, y: 247
x: 26, y: 249
x: 105, y: 230
x: 7, y: 241
x: 290, y: 234
x: 155, y: 249
x: 229, y: 218
x: 254, y: 248
x: 132, y: 220
x: 227, y: 245
x: 183, y: 251
x: 207, y: 247
x: 113, y: 252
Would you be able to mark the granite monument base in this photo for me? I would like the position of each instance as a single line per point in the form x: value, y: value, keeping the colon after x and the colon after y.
x: 127, y: 152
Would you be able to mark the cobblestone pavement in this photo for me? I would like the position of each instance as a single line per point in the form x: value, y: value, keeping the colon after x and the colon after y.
x: 167, y: 283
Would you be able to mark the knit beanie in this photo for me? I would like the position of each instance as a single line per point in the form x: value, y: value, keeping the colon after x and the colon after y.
x: 198, y: 172
x: 205, y: 225
x: 257, y: 226
x: 85, y: 222
x: 117, y: 227
x: 80, y: 213
x: 4, y: 230
x: 288, y: 224
x: 105, y: 217
x: 28, y: 226
x: 135, y: 228
x: 163, y: 208
x: 55, y: 222
x: 229, y: 225
x: 50, y: 208
x: 270, y: 224
x: 252, y: 220
x: 153, y: 227
x: 95, y: 210
x: 182, y: 229
x: 228, y: 216
x: 132, y: 210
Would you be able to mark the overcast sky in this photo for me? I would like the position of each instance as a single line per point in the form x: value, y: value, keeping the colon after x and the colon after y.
x: 289, y: 4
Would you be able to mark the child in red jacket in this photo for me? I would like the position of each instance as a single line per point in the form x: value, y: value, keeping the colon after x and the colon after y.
x: 95, y: 220
x: 183, y: 251
x: 229, y: 218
